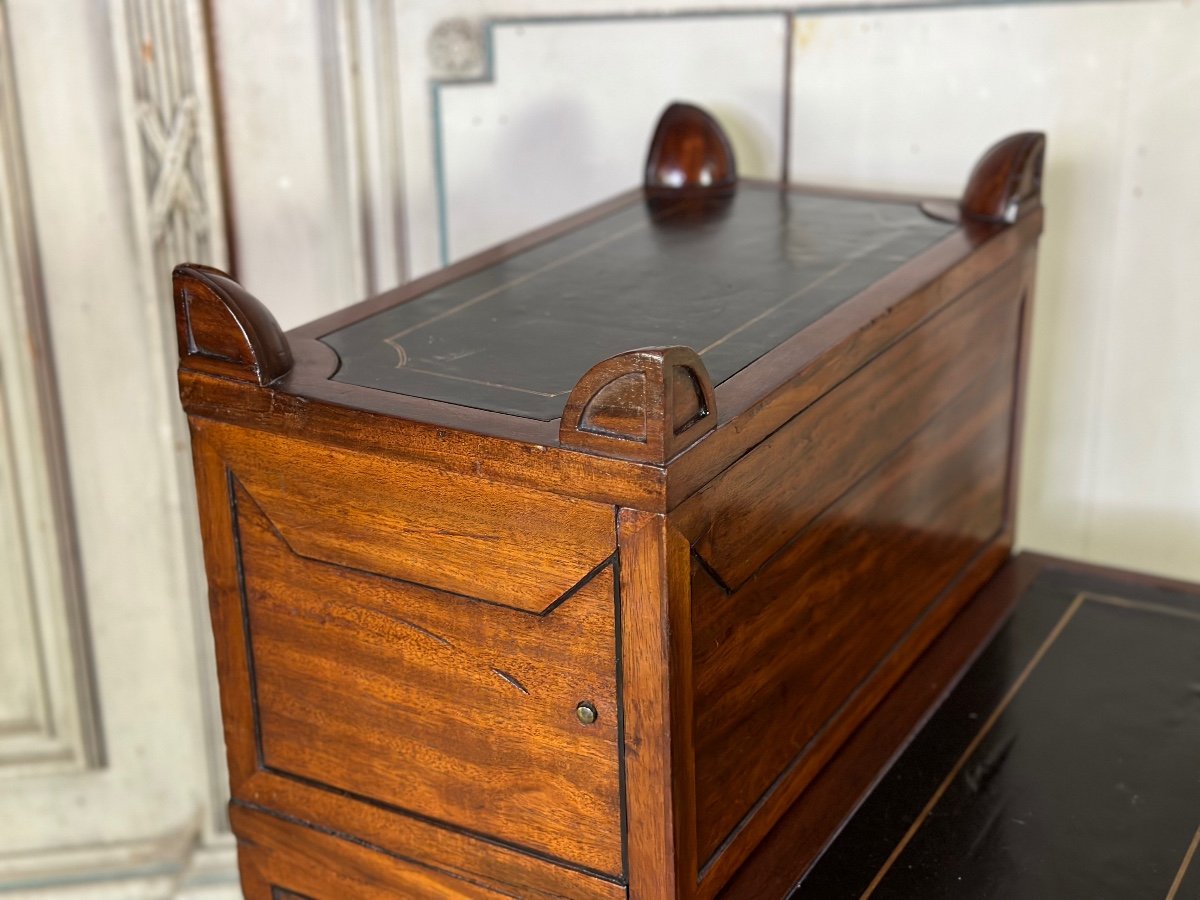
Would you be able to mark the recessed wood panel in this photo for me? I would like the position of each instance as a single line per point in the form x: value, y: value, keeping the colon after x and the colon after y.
x: 442, y: 706
x: 745, y: 515
x: 778, y: 660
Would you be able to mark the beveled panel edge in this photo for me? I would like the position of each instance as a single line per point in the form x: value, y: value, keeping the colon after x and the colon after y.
x: 253, y: 738
x: 807, y: 827
x: 605, y: 557
x: 68, y: 733
x: 697, y: 512
x: 549, y: 609
x: 277, y: 849
x: 250, y: 784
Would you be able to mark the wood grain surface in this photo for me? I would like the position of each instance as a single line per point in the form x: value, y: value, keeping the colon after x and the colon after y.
x: 418, y: 522
x: 447, y: 707
x: 805, y: 830
x: 776, y: 661
x: 656, y: 662
x: 743, y: 516
x: 646, y: 405
x: 281, y: 859
x: 224, y: 330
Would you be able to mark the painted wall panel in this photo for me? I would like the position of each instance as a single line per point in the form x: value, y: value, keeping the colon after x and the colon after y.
x: 566, y: 115
x: 907, y: 100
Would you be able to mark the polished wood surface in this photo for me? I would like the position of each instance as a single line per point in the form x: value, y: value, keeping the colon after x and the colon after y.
x: 897, y: 548
x: 647, y: 405
x: 745, y: 515
x: 764, y: 396
x: 690, y: 155
x: 804, y: 832
x: 600, y: 645
x: 281, y: 860
x: 430, y: 842
x: 420, y: 522
x: 224, y: 330
x: 1006, y: 183
x: 656, y: 663
x: 461, y: 710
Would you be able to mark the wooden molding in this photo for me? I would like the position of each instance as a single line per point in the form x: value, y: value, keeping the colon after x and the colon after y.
x: 690, y: 156
x: 224, y: 330
x: 1006, y: 183
x: 656, y: 635
x: 645, y: 405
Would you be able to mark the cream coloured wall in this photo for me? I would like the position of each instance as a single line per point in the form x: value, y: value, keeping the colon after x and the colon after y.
x: 1111, y: 462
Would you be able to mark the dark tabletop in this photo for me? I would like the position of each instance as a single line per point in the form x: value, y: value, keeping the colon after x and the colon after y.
x: 1066, y: 764
x: 732, y: 284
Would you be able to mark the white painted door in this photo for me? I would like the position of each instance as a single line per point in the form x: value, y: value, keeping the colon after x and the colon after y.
x: 111, y: 781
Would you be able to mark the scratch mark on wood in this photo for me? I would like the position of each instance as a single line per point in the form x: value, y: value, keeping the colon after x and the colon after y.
x: 425, y: 631
x: 520, y: 687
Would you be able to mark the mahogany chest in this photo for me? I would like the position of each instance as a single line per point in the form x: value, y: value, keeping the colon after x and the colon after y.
x: 568, y: 570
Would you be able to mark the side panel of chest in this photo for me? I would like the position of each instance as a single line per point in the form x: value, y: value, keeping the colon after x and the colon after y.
x: 828, y: 556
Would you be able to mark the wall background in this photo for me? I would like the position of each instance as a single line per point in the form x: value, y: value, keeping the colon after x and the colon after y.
x: 331, y: 148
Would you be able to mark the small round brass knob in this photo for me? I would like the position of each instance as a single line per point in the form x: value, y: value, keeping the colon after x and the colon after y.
x: 585, y: 713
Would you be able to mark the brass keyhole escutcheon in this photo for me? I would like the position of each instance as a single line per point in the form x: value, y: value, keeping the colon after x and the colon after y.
x: 585, y: 712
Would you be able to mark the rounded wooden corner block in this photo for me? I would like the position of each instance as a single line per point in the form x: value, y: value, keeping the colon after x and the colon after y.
x: 224, y: 330
x: 690, y: 156
x: 1007, y: 180
x: 645, y: 405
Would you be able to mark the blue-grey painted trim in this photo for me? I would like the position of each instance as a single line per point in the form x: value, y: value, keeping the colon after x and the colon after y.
x: 789, y: 58
x: 487, y: 76
x: 439, y: 174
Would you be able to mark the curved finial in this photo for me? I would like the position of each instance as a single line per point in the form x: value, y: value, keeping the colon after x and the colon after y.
x: 224, y: 330
x: 690, y: 155
x: 1007, y: 180
x: 645, y: 405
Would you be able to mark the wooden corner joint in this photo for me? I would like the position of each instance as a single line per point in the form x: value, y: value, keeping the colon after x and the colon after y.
x: 224, y: 330
x: 645, y: 405
x: 690, y: 156
x: 1006, y: 183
